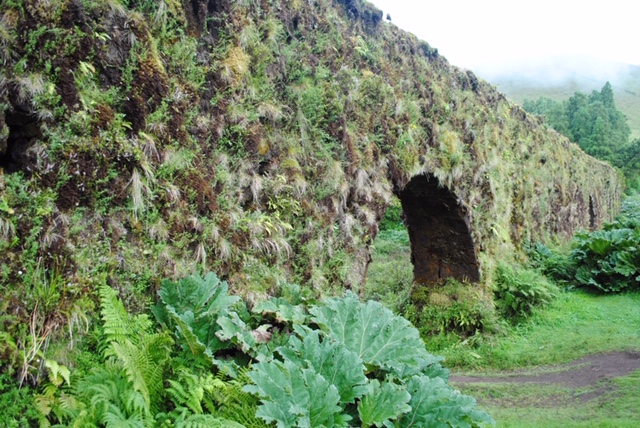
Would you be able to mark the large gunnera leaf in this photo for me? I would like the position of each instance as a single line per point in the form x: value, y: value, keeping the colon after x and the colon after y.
x: 193, y: 307
x: 435, y: 404
x: 295, y: 397
x: 380, y: 338
x: 385, y: 402
x: 341, y: 367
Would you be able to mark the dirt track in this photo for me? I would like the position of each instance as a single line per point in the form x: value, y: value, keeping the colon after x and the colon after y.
x: 587, y: 371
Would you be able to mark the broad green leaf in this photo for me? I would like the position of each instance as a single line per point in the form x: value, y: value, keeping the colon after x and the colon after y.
x: 292, y: 396
x: 282, y: 310
x: 338, y: 365
x: 386, y: 401
x: 625, y: 262
x: 600, y: 246
x: 435, y: 404
x: 192, y: 307
x: 206, y: 296
x: 234, y: 330
x: 206, y: 421
x: 380, y: 338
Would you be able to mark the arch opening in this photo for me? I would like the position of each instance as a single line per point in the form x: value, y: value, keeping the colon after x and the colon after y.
x: 592, y: 214
x: 24, y: 129
x: 439, y: 231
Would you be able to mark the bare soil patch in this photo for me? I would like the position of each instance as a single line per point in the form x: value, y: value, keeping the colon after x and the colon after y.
x: 584, y: 372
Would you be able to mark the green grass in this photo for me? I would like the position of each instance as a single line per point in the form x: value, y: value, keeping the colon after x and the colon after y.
x: 529, y: 405
x: 390, y: 273
x: 575, y: 325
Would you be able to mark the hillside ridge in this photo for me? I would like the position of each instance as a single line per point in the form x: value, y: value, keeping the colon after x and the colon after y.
x: 261, y: 140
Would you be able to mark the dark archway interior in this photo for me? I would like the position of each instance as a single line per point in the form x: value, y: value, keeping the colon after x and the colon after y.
x: 24, y: 128
x: 592, y: 214
x: 441, y: 242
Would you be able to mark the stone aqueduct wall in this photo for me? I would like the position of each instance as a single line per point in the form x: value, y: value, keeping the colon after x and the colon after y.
x: 294, y: 122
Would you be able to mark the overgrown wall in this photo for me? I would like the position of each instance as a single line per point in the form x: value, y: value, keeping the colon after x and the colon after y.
x: 262, y: 140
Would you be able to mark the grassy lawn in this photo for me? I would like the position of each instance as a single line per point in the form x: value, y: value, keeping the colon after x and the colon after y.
x: 617, y: 404
x: 575, y: 325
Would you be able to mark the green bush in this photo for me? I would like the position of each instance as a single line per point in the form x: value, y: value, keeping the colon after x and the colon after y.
x: 451, y: 307
x: 518, y: 292
x: 211, y: 362
x: 609, y: 259
x: 552, y: 262
x: 392, y: 219
x: 16, y: 404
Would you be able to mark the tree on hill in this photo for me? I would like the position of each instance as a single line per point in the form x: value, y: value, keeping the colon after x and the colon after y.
x: 595, y: 124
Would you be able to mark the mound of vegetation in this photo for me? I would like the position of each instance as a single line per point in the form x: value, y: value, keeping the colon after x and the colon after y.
x: 607, y: 260
x: 208, y: 361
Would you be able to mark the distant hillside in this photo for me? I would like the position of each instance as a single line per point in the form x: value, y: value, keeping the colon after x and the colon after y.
x: 626, y: 87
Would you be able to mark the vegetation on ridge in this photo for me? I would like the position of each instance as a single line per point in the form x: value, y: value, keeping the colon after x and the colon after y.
x: 336, y: 363
x: 144, y: 140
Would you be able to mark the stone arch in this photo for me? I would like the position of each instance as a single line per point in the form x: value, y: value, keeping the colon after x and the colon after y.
x: 439, y: 231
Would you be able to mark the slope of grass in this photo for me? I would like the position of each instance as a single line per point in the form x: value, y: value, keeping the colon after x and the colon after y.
x: 391, y: 273
x: 575, y: 325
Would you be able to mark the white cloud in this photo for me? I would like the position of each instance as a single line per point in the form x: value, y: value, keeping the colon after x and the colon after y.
x: 497, y: 36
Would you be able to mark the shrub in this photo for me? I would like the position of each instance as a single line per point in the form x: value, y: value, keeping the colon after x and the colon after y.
x: 337, y: 363
x: 518, y: 292
x: 609, y: 259
x: 451, y: 307
x: 16, y: 404
x: 552, y: 262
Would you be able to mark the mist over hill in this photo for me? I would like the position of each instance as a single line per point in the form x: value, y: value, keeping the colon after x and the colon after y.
x: 559, y: 79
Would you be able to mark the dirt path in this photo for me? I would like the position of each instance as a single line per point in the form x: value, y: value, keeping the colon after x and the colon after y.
x: 587, y: 371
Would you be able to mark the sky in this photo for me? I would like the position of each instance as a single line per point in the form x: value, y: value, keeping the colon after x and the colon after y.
x: 500, y: 37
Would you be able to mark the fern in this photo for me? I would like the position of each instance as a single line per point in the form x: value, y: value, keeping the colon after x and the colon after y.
x: 110, y: 399
x: 188, y: 391
x: 118, y: 325
x: 144, y: 364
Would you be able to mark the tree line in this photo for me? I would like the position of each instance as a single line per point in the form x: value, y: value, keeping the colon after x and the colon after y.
x: 596, y: 125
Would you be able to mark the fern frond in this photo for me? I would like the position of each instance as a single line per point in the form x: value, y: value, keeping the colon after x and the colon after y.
x: 228, y: 400
x: 118, y: 325
x: 116, y: 418
x: 144, y: 364
x: 189, y: 391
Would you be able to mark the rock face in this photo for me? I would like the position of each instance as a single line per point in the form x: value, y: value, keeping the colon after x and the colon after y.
x: 262, y: 140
